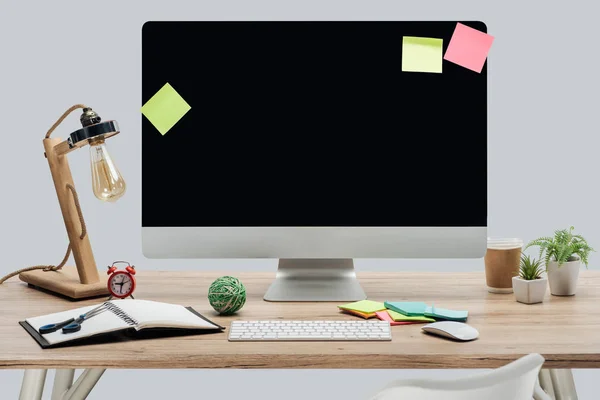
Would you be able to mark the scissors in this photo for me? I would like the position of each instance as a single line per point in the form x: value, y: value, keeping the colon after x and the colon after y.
x: 72, y: 325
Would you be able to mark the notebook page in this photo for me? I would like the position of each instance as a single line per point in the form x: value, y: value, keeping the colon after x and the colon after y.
x: 153, y: 314
x: 101, y: 323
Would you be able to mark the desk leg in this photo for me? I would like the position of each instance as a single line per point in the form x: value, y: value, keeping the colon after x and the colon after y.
x: 63, y: 380
x: 546, y: 383
x: 32, y: 387
x: 564, y: 384
x: 84, y: 384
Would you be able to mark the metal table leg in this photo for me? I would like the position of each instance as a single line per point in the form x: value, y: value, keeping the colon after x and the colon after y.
x: 564, y: 384
x: 84, y: 384
x: 63, y: 380
x: 64, y: 389
x: 546, y: 383
x: 32, y: 386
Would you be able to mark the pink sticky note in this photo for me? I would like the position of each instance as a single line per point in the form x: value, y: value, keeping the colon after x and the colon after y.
x: 468, y: 47
x: 384, y: 316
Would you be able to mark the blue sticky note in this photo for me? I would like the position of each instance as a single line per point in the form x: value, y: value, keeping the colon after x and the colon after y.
x: 410, y: 309
x: 449, y: 315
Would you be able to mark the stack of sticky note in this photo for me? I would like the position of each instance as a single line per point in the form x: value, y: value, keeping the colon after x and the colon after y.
x: 364, y: 308
x: 415, y: 319
x: 408, y: 312
x: 407, y: 308
x: 445, y: 314
x: 402, y: 313
x: 420, y: 309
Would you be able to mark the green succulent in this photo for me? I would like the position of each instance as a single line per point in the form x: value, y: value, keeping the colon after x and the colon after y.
x: 563, y: 247
x: 530, y: 268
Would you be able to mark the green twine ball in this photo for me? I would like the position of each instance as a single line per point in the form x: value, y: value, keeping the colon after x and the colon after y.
x: 227, y: 295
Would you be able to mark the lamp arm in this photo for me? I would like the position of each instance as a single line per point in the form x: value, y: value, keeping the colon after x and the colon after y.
x: 62, y: 118
x: 63, y: 148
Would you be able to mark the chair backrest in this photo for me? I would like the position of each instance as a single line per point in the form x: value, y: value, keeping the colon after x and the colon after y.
x: 515, y: 381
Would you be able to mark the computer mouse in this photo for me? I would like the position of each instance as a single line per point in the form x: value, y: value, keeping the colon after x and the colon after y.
x: 452, y: 330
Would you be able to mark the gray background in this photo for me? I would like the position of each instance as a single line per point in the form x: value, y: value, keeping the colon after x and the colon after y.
x: 543, y: 147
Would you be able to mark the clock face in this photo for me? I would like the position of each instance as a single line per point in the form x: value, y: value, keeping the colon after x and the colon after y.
x: 121, y: 284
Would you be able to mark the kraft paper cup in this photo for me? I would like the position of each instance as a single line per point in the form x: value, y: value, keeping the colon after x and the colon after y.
x: 502, y: 260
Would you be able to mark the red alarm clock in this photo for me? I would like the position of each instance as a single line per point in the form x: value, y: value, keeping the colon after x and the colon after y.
x: 121, y: 283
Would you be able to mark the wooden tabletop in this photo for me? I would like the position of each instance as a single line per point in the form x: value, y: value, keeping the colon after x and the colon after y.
x: 565, y: 330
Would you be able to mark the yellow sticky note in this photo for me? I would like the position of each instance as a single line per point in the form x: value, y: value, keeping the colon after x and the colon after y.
x: 400, y: 317
x: 165, y: 108
x: 421, y: 54
x: 360, y: 314
x: 364, y: 306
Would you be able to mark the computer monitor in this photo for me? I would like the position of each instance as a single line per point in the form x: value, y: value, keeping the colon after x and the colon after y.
x: 308, y: 143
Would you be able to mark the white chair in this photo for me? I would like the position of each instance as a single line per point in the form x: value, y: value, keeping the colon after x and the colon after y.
x: 515, y: 381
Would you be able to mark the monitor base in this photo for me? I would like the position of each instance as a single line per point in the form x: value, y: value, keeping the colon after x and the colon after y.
x: 315, y: 280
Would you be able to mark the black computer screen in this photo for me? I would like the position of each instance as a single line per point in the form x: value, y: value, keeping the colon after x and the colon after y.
x: 311, y: 124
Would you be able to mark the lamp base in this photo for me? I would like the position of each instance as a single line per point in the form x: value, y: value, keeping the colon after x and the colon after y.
x: 65, y: 282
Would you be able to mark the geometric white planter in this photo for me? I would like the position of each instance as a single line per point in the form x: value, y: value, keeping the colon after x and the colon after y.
x: 563, y: 279
x: 529, y: 292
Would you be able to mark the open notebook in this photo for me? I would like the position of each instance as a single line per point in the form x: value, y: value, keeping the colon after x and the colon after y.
x: 120, y: 315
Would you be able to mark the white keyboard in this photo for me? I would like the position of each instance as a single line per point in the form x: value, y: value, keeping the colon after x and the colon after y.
x: 249, y: 331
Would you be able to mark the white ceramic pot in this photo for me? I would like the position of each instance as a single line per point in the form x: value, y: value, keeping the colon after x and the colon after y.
x: 529, y: 292
x: 563, y: 278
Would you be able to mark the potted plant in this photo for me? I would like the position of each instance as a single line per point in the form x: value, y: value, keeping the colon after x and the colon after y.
x: 563, y: 255
x: 529, y: 286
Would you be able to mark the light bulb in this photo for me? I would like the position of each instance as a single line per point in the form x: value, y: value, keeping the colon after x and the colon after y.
x: 107, y: 182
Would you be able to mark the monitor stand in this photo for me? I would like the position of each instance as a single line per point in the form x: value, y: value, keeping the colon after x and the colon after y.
x: 315, y: 280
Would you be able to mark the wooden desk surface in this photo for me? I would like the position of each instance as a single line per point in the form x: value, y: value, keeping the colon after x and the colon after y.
x: 565, y: 330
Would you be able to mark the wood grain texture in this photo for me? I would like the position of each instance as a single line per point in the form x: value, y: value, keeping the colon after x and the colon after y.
x: 66, y: 282
x: 82, y: 249
x: 565, y: 330
x: 63, y: 148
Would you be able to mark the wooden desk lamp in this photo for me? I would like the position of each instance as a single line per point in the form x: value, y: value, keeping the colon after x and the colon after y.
x: 84, y: 281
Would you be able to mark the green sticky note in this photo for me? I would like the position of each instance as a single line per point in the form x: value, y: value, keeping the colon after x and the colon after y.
x: 364, y: 306
x: 406, y: 318
x: 421, y: 54
x: 407, y: 307
x: 165, y: 109
x: 443, y: 313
